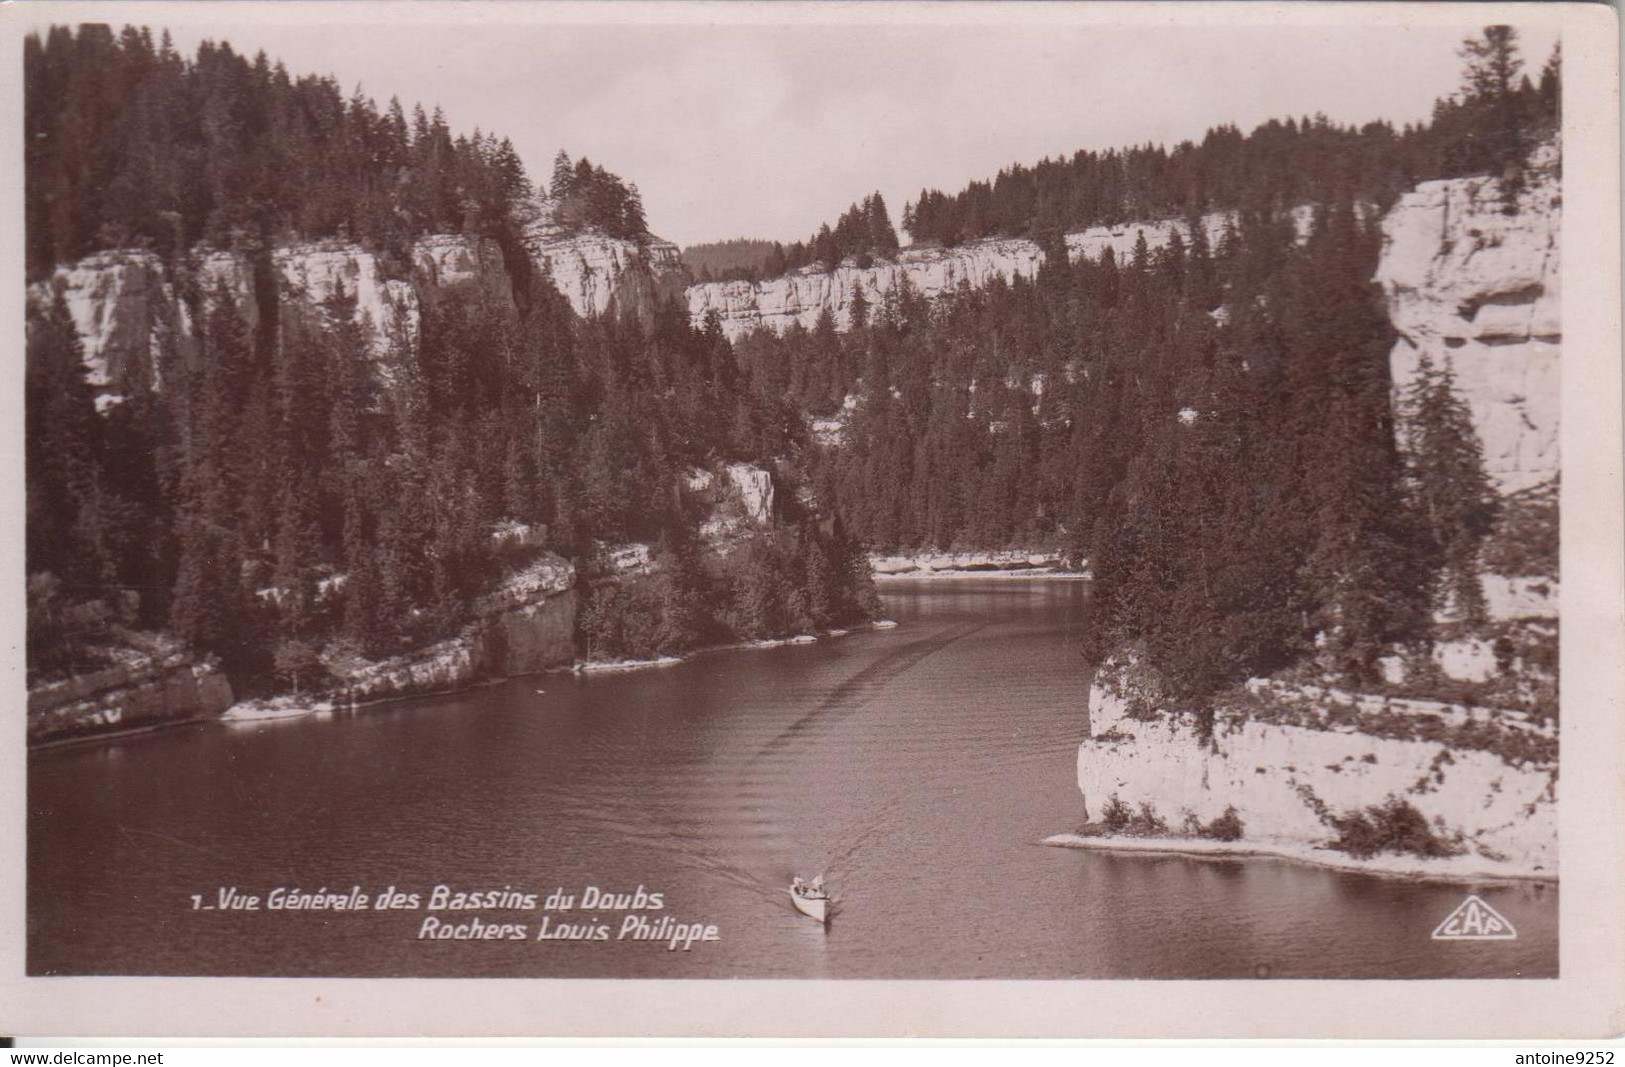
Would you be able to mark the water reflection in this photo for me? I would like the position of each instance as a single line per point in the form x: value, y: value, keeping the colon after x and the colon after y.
x: 915, y: 767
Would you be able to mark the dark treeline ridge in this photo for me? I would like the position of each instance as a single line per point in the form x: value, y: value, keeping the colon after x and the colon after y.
x: 588, y: 195
x: 1487, y: 128
x: 741, y: 257
x: 131, y: 144
x: 1209, y: 428
x: 863, y: 232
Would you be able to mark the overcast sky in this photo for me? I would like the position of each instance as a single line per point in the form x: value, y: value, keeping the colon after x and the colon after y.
x: 767, y: 131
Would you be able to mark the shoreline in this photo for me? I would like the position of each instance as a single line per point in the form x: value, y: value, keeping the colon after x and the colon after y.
x: 622, y: 666
x: 335, y: 704
x: 1409, y: 868
x: 117, y: 733
x: 328, y: 707
x: 1003, y: 575
x: 976, y: 563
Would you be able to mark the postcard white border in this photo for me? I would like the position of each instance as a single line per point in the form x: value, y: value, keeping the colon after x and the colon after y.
x: 1587, y: 1000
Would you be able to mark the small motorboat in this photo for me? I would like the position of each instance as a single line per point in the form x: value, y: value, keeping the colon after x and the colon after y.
x: 810, y: 898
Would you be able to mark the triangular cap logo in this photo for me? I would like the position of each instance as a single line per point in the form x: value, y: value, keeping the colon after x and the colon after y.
x: 1474, y: 920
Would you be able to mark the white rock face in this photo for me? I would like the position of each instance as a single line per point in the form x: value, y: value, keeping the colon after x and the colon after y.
x: 526, y: 624
x: 318, y: 271
x: 126, y: 304
x: 1122, y: 238
x: 1470, y: 659
x: 927, y: 563
x: 736, y: 498
x: 1520, y: 599
x: 123, y: 307
x: 1502, y: 812
x: 1471, y: 286
x: 446, y: 259
x: 753, y: 488
x: 593, y: 269
x: 314, y: 274
x: 802, y: 295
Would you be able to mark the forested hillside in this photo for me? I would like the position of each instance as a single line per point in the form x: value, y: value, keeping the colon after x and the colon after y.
x: 280, y: 487
x: 1210, y: 427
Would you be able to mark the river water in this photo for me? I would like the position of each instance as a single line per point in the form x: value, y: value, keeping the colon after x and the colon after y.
x: 917, y: 767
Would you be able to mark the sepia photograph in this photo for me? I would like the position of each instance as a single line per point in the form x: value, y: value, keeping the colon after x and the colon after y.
x: 712, y: 493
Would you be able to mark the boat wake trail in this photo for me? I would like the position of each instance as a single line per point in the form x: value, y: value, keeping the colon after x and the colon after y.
x: 838, y: 863
x: 850, y: 696
x: 744, y: 850
x: 855, y: 691
x: 701, y: 851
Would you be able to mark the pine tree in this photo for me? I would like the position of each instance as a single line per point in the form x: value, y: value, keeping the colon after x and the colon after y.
x: 1551, y: 86
x: 209, y: 608
x: 1453, y: 494
x: 1490, y: 86
x: 1366, y: 567
x: 563, y: 176
x: 859, y: 308
x: 679, y: 591
x: 510, y: 180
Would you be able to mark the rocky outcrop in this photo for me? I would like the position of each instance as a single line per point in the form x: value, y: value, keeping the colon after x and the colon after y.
x: 802, y: 296
x: 525, y: 625
x: 1475, y: 281
x: 1289, y: 763
x: 732, y: 501
x: 752, y: 487
x: 444, y: 261
x: 156, y: 685
x: 1003, y: 561
x: 132, y: 308
x: 736, y: 497
x: 598, y: 273
x: 1472, y: 281
x: 125, y: 310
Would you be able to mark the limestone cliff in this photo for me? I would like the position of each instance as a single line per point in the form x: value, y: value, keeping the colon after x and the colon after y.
x: 803, y: 295
x: 135, y: 311
x: 733, y: 501
x: 1475, y: 281
x: 525, y: 625
x: 1472, y: 281
x: 1289, y: 762
x: 126, y: 311
x: 597, y: 272
x: 154, y: 683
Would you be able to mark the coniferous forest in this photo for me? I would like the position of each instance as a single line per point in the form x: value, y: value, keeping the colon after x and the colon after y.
x: 1208, y: 425
x: 280, y: 495
x: 1210, y: 428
